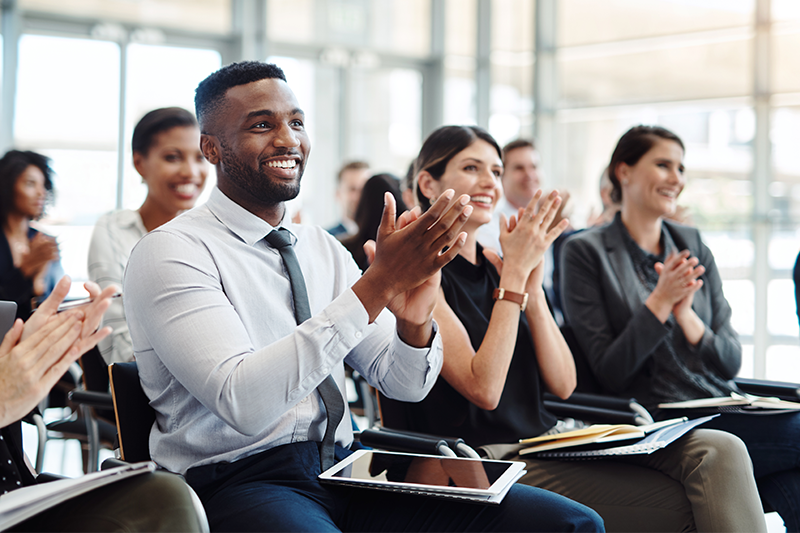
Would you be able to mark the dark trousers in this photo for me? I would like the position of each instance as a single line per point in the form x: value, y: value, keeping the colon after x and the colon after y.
x: 278, y: 490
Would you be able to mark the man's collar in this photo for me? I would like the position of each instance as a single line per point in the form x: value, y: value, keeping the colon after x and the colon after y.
x: 244, y: 224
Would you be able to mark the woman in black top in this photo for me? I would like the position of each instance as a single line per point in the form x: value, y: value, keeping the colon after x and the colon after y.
x: 644, y: 297
x: 498, y: 362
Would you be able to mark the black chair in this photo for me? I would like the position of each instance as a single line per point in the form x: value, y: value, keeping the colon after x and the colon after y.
x: 134, y: 416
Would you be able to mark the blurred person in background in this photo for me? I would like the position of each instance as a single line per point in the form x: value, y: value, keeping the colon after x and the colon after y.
x: 369, y: 213
x: 407, y: 186
x: 350, y: 180
x: 166, y: 153
x: 29, y: 259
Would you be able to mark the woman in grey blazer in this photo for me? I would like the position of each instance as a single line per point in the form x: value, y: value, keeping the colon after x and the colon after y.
x: 644, y: 298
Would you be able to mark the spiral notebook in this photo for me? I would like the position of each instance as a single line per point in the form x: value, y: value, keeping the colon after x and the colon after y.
x: 652, y: 442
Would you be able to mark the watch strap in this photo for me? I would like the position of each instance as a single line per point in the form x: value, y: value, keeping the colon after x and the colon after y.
x: 516, y: 297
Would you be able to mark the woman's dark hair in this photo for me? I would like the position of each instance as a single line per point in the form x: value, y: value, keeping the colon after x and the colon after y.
x: 636, y: 142
x: 370, y: 211
x: 157, y: 121
x: 12, y: 165
x: 440, y: 147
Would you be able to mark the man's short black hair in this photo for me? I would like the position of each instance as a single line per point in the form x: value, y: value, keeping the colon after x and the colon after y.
x: 208, y: 97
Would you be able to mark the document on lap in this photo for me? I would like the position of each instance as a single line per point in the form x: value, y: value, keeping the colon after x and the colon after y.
x: 595, y: 441
x: 23, y: 503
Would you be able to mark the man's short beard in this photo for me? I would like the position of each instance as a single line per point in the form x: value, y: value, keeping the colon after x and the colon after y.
x: 254, y: 181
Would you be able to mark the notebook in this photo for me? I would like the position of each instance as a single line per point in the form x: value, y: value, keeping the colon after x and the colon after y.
x: 652, y: 442
x: 476, y: 480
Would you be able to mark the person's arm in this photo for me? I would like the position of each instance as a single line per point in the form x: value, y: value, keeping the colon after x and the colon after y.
x: 404, y: 269
x: 480, y: 375
x: 593, y: 302
x: 108, y: 254
x: 177, y: 309
x: 719, y: 344
x: 34, y: 355
x: 556, y: 364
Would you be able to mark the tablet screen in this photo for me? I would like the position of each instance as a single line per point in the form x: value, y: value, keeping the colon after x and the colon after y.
x: 429, y: 471
x: 8, y: 313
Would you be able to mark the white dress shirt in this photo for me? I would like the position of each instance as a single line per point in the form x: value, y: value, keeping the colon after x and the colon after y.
x: 113, y: 238
x: 220, y: 356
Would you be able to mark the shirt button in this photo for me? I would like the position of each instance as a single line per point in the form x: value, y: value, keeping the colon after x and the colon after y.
x: 358, y: 334
x: 325, y: 370
x: 304, y: 400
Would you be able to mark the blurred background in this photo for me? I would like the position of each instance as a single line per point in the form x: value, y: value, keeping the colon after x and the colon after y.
x: 375, y: 76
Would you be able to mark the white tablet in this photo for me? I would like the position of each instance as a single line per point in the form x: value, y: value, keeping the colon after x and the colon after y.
x: 8, y: 313
x: 472, y: 479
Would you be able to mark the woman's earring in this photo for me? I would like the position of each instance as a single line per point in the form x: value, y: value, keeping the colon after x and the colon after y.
x: 624, y: 181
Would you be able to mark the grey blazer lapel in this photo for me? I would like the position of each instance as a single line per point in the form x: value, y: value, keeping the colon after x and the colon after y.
x: 621, y: 262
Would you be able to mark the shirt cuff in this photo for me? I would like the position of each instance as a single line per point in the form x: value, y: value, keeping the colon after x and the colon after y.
x: 420, y: 358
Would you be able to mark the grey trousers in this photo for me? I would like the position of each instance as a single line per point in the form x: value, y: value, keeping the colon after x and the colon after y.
x: 150, y: 502
x: 703, y: 481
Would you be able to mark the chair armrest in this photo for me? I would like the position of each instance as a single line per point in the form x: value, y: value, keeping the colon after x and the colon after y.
x: 410, y: 442
x: 761, y: 387
x: 595, y: 415
x: 99, y: 400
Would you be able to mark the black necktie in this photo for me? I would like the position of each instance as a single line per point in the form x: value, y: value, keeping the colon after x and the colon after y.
x: 331, y: 397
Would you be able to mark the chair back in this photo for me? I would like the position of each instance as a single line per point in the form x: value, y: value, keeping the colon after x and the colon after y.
x: 134, y: 415
x: 95, y: 379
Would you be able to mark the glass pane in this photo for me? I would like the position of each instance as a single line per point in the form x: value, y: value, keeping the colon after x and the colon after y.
x: 785, y: 188
x: 747, y: 370
x: 511, y: 98
x: 782, y: 309
x: 741, y: 297
x: 671, y: 70
x: 397, y: 26
x: 386, y: 123
x: 193, y: 15
x: 785, y: 69
x: 161, y: 76
x: 460, y: 28
x: 87, y: 76
x: 783, y: 363
x: 401, y: 26
x: 588, y: 21
x: 302, y: 15
x: 785, y: 10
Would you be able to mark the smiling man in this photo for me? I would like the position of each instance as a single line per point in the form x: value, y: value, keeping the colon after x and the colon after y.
x: 242, y: 392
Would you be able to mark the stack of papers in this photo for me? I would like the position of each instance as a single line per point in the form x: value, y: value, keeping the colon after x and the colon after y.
x: 594, y: 441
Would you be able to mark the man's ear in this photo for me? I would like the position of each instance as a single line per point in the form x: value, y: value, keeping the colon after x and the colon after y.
x: 210, y: 148
x: 427, y: 185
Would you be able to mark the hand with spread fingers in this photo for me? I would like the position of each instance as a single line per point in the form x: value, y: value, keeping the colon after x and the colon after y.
x: 34, y: 355
x: 525, y: 238
x: 406, y: 260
